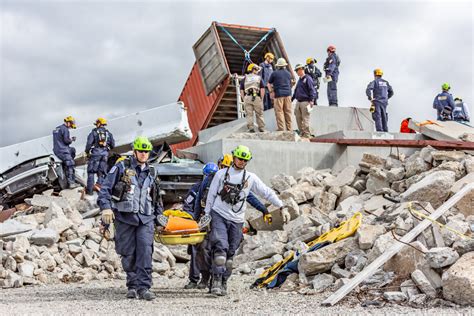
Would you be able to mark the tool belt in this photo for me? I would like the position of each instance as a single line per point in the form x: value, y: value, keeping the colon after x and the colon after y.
x: 253, y: 93
x: 446, y: 113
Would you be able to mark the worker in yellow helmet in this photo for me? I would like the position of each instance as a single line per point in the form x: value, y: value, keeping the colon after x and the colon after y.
x: 379, y: 91
x: 99, y: 142
x: 62, y: 149
x: 266, y: 69
x: 313, y: 71
x: 252, y: 91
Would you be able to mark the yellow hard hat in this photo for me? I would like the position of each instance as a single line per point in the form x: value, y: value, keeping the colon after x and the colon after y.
x: 310, y: 60
x: 225, y: 160
x: 101, y: 121
x: 251, y: 67
x: 269, y: 55
x: 378, y: 72
x: 72, y: 120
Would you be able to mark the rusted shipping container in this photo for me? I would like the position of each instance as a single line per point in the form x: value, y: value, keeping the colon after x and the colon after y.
x: 210, y: 93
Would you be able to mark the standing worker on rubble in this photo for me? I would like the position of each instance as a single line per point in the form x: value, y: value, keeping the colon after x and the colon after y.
x: 279, y: 85
x: 312, y: 70
x: 379, y: 91
x: 99, y: 142
x: 226, y: 205
x: 252, y: 91
x: 331, y: 68
x: 61, y: 148
x: 304, y: 95
x: 266, y: 69
x: 444, y: 104
x: 130, y: 196
x: 461, y: 111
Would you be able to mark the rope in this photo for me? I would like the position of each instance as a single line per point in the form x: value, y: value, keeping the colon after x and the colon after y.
x: 247, y: 59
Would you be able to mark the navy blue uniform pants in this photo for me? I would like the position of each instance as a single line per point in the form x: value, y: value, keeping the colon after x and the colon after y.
x: 200, y: 263
x: 135, y: 245
x: 225, y: 239
x: 267, y: 101
x: 332, y: 92
x: 96, y: 165
x: 380, y: 116
x: 68, y: 164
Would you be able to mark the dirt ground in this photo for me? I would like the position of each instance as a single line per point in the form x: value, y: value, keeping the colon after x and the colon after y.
x: 108, y: 297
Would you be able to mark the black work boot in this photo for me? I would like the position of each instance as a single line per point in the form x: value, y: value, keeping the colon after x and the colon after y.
x: 204, y: 283
x: 191, y: 285
x: 216, y: 288
x: 146, y: 295
x: 224, y: 287
x: 132, y: 293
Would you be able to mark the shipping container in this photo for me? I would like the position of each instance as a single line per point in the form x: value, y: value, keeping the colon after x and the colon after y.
x: 210, y: 92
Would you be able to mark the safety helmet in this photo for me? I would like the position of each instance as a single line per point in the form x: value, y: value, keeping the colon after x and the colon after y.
x: 142, y: 143
x: 310, y: 60
x: 445, y: 86
x: 299, y: 66
x: 269, y: 55
x: 101, y: 121
x: 209, y: 168
x: 71, y: 120
x: 331, y: 48
x: 242, y: 152
x: 378, y: 72
x: 225, y: 160
x: 251, y: 67
x: 281, y: 62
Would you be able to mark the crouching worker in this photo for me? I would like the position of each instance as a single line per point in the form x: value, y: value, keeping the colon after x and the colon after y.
x: 130, y: 196
x: 226, y: 203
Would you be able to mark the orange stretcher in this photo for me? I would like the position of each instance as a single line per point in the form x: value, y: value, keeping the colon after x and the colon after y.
x: 180, y: 230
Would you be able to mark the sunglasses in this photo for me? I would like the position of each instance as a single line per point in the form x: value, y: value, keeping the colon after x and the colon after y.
x: 242, y: 159
x: 143, y: 151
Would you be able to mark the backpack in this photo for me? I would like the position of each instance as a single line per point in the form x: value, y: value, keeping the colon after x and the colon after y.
x: 102, y: 138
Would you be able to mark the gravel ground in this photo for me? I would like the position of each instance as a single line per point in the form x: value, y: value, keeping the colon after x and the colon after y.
x: 107, y: 297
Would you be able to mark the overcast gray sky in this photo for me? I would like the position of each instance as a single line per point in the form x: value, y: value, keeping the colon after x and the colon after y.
x: 108, y: 58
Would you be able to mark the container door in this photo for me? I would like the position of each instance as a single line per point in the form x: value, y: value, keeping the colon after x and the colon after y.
x: 210, y: 59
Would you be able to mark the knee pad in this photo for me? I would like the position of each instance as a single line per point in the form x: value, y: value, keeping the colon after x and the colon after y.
x: 228, y: 264
x: 220, y: 260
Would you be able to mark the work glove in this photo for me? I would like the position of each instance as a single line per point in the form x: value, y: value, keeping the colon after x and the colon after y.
x: 108, y: 216
x: 73, y: 138
x: 372, y: 107
x: 267, y: 218
x: 285, y: 215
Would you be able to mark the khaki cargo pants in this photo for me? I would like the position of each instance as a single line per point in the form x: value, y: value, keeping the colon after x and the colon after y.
x: 302, y: 118
x: 282, y: 108
x: 251, y: 107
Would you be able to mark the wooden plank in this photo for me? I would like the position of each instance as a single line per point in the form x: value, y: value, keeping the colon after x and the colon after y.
x: 377, y: 263
x: 441, y: 144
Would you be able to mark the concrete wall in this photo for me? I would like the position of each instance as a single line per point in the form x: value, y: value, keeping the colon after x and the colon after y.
x: 324, y: 120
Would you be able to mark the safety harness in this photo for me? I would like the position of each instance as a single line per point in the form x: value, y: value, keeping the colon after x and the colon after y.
x: 230, y: 192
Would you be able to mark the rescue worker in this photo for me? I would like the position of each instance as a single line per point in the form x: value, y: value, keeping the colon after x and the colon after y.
x: 62, y: 149
x: 195, y: 266
x: 304, y: 95
x: 252, y: 91
x: 331, y: 68
x: 99, y: 142
x: 130, y: 196
x: 279, y: 85
x: 444, y: 103
x: 404, y: 126
x: 312, y: 70
x: 226, y: 205
x: 266, y: 69
x: 461, y: 111
x: 379, y: 91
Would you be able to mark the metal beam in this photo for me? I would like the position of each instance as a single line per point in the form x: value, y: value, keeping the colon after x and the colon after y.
x: 389, y: 253
x: 440, y: 144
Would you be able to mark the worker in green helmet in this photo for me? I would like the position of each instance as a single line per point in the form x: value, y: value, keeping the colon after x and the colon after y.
x: 444, y: 104
x: 226, y: 204
x: 129, y: 198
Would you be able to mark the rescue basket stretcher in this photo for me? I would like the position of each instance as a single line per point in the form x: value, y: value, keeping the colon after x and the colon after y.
x: 180, y: 230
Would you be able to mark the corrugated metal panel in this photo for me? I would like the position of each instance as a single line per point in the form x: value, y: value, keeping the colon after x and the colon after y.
x: 198, y: 104
x: 210, y: 58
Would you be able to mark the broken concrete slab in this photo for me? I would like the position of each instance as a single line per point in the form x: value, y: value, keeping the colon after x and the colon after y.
x: 423, y: 284
x: 366, y: 235
x: 322, y: 281
x: 441, y: 257
x: 369, y: 161
x: 442, y: 130
x: 451, y: 155
x: 345, y: 177
x: 466, y: 204
x: 395, y: 296
x: 458, y: 281
x: 434, y: 188
x: 12, y: 227
x: 282, y: 182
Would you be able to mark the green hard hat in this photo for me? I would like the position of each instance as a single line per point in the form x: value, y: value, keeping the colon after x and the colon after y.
x: 242, y: 152
x: 445, y: 86
x: 142, y: 143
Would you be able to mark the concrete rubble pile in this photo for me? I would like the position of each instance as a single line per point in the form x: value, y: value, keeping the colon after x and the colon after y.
x: 437, y: 267
x: 58, y: 240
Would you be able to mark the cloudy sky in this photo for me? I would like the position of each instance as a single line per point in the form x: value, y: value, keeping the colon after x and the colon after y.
x: 108, y: 58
